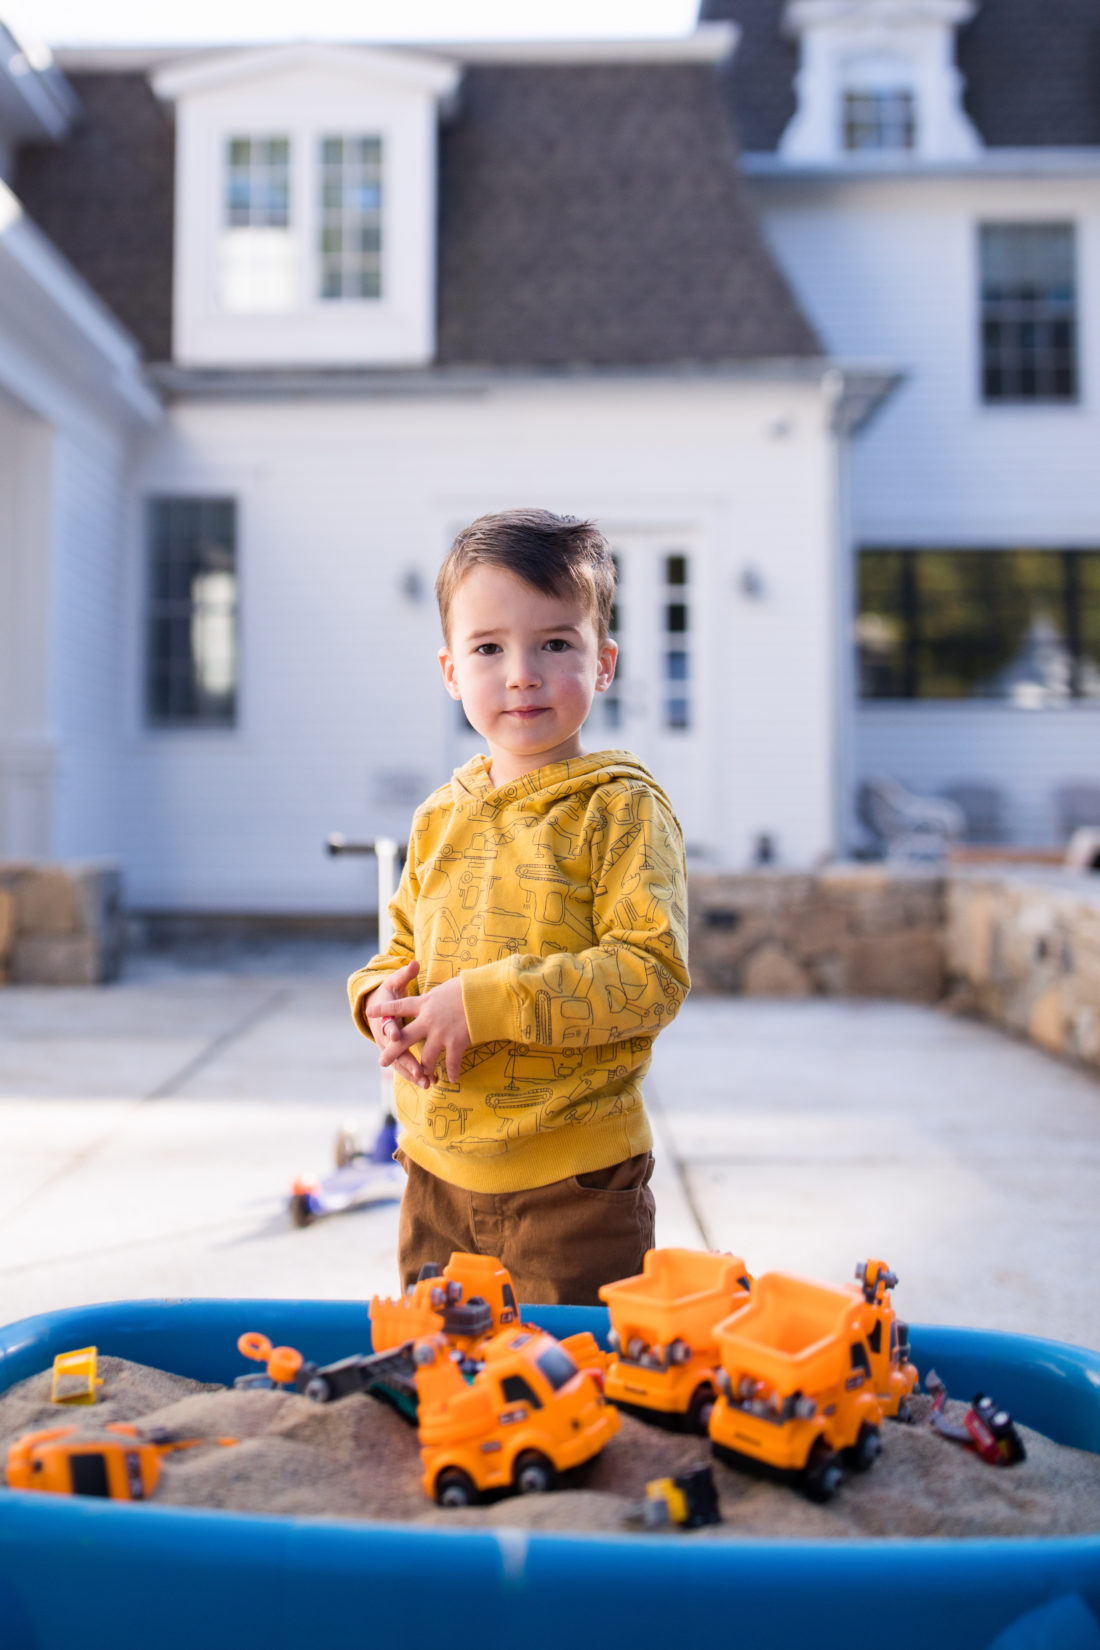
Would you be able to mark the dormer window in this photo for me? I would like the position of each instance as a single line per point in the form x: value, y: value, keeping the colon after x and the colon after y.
x: 306, y: 205
x: 879, y: 107
x: 257, y: 254
x: 351, y: 217
x: 877, y: 80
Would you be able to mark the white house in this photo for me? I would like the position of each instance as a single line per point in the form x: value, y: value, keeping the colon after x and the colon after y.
x: 273, y: 323
x: 927, y: 173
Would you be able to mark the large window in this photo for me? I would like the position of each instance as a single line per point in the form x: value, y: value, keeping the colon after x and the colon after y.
x: 1015, y: 625
x: 1028, y: 312
x: 191, y: 616
x: 351, y: 217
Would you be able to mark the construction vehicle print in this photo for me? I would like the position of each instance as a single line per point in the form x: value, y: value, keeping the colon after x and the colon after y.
x: 664, y: 1353
x: 796, y: 1390
x: 529, y: 1414
x: 893, y: 1376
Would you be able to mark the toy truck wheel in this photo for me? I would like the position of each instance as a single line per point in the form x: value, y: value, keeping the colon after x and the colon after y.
x: 455, y: 1488
x: 702, y: 1402
x: 318, y: 1389
x: 533, y: 1474
x: 866, y: 1449
x: 823, y: 1474
x: 300, y: 1212
x: 903, y: 1413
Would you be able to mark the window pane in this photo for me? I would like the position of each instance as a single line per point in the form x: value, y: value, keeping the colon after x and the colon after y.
x: 257, y: 182
x: 1028, y: 312
x: 191, y: 621
x: 351, y: 217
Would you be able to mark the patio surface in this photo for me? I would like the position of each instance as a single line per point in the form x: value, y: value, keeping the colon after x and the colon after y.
x: 149, y: 1133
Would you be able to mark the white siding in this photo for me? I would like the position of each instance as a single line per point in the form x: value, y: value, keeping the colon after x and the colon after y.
x: 340, y: 501
x: 89, y: 515
x: 888, y: 269
x: 1025, y: 754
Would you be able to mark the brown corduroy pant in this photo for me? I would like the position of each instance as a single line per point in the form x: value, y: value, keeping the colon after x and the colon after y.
x: 559, y: 1242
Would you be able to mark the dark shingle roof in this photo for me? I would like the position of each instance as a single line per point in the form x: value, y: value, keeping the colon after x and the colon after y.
x: 1032, y: 71
x: 589, y: 215
x: 594, y: 214
x: 105, y: 197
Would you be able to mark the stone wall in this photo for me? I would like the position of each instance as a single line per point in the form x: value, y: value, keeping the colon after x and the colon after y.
x: 60, y: 924
x: 1023, y: 951
x: 845, y: 931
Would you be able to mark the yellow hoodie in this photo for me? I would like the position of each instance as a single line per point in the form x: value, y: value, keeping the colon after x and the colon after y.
x: 560, y: 899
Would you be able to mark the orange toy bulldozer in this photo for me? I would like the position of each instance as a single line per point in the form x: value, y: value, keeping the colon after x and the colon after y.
x: 665, y: 1356
x: 796, y: 1384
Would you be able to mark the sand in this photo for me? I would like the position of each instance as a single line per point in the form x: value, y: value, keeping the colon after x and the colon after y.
x: 358, y: 1459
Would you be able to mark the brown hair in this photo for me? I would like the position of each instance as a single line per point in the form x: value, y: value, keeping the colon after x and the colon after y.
x: 559, y: 555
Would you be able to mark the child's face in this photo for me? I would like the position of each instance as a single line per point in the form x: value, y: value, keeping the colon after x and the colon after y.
x: 526, y: 667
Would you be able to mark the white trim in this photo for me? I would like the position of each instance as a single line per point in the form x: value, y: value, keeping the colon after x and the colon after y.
x: 33, y: 90
x: 709, y: 43
x: 79, y: 321
x: 419, y: 72
x: 859, y: 167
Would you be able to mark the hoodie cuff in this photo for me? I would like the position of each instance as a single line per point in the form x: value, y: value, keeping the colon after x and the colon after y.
x: 488, y: 1002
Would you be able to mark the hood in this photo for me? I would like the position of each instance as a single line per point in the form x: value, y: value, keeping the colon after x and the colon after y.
x: 542, y: 787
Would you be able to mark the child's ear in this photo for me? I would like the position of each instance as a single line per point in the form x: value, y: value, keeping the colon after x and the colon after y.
x: 605, y: 665
x: 447, y: 666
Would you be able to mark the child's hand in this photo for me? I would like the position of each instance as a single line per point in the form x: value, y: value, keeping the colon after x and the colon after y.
x: 437, y: 1019
x: 385, y: 1029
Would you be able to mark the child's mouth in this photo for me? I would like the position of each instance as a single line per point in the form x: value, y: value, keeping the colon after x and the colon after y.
x: 525, y: 712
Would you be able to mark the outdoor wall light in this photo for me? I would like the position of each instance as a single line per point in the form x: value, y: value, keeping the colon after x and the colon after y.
x: 750, y: 583
x: 411, y: 585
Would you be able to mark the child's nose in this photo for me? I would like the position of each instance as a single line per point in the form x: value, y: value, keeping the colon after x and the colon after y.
x: 524, y: 672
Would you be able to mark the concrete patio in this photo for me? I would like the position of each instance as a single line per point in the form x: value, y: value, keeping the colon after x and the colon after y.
x: 149, y: 1133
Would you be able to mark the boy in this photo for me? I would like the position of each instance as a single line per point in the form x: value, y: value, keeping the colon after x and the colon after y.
x: 540, y: 936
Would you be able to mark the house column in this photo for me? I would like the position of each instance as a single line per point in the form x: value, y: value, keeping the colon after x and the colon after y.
x: 28, y: 746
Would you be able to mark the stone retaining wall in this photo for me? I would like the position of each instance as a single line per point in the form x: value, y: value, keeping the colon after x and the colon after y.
x: 1023, y: 951
x: 60, y: 924
x: 846, y: 931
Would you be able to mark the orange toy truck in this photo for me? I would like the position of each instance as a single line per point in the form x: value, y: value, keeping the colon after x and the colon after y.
x: 528, y: 1414
x: 796, y: 1384
x: 119, y: 1463
x: 664, y: 1353
x: 467, y: 1300
x: 893, y: 1376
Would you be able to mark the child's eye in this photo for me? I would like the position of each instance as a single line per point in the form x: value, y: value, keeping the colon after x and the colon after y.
x: 487, y: 648
x: 557, y: 644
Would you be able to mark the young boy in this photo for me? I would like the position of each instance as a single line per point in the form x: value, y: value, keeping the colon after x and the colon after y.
x: 540, y: 936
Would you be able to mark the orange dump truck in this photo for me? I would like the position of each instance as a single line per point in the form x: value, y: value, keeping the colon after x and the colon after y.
x: 528, y: 1414
x: 796, y: 1388
x: 664, y: 1353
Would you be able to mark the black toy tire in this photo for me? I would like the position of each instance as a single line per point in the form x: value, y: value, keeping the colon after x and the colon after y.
x: 823, y: 1473
x: 533, y: 1474
x: 300, y: 1212
x: 455, y: 1488
x: 903, y: 1413
x: 703, y: 1400
x: 866, y: 1449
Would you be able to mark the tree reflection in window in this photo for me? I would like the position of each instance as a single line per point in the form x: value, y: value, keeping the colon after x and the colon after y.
x: 1022, y: 626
